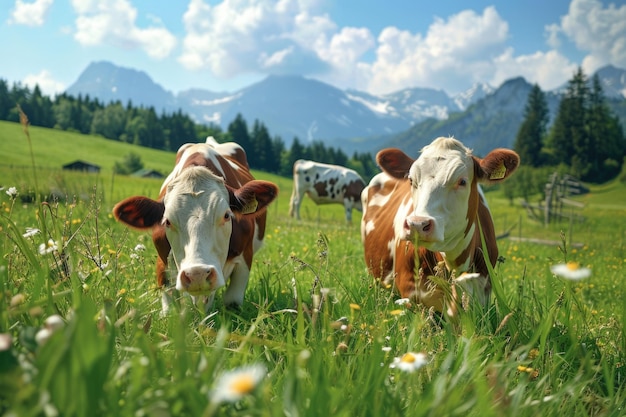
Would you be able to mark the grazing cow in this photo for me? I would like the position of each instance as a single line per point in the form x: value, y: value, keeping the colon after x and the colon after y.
x: 209, y: 220
x: 325, y: 184
x: 422, y: 214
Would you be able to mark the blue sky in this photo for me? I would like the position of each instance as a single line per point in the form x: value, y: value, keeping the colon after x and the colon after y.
x: 374, y: 46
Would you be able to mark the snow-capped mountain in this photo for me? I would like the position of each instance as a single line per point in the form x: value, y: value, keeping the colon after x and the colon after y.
x: 477, y: 92
x: 107, y: 82
x: 290, y: 106
x: 293, y: 106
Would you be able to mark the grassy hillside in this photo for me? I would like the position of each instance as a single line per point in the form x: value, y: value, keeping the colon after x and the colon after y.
x: 54, y: 148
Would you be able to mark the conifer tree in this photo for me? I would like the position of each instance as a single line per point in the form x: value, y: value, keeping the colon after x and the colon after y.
x: 568, y: 137
x: 238, y: 132
x: 606, y: 136
x: 530, y: 136
x: 262, y: 151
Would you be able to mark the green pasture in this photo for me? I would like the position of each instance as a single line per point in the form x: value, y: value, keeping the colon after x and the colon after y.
x: 320, y: 331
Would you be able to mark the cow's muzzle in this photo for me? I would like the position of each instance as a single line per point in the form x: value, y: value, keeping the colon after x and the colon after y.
x: 198, y: 279
x: 422, y: 227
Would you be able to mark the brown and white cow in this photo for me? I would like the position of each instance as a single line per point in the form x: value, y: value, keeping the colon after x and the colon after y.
x: 208, y: 221
x: 422, y: 214
x: 325, y: 184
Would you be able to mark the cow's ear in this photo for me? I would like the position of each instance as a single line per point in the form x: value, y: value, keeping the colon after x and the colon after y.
x: 139, y: 212
x: 498, y: 165
x: 394, y: 162
x: 253, y: 197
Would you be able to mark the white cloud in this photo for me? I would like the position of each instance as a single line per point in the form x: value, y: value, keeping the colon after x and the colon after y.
x: 235, y: 37
x: 48, y: 85
x: 452, y: 55
x: 547, y: 69
x: 598, y: 30
x: 113, y: 22
x: 30, y: 14
x: 251, y: 36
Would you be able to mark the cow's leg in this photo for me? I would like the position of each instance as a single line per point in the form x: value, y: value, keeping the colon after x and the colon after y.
x: 166, y: 300
x: 233, y: 296
x: 294, y: 204
x: 476, y: 286
x: 163, y: 273
x: 348, y: 207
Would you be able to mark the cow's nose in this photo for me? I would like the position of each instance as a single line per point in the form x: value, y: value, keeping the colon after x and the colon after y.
x: 424, y: 226
x: 198, y: 277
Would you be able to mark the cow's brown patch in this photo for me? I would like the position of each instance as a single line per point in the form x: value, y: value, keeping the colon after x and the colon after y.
x: 321, y: 188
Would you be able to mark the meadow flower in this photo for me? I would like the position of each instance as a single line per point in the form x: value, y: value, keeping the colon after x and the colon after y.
x: 140, y: 247
x: 410, y: 362
x: 236, y: 384
x: 402, y: 301
x: 5, y: 342
x: 17, y: 299
x: 48, y: 247
x: 50, y: 326
x: 31, y: 231
x: 571, y: 271
x: 12, y: 192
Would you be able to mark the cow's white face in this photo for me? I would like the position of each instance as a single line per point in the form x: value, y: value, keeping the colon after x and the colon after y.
x: 441, y: 184
x: 198, y: 222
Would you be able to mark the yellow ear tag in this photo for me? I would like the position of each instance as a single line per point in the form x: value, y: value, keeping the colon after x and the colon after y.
x: 250, y: 207
x: 498, y: 173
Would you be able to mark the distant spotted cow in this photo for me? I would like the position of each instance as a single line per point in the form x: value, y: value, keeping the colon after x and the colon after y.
x: 422, y: 222
x: 207, y: 223
x: 325, y: 184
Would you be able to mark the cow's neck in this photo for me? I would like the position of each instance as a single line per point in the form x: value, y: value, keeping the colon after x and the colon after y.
x: 459, y: 257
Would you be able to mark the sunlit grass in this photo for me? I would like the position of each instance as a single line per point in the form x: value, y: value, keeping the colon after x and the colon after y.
x: 327, y: 338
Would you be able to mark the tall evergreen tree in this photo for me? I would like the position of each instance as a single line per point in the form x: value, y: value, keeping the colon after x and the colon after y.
x: 238, y: 132
x: 278, y: 149
x: 5, y: 100
x: 296, y: 151
x: 531, y: 134
x: 568, y: 139
x: 606, y: 136
x: 262, y: 152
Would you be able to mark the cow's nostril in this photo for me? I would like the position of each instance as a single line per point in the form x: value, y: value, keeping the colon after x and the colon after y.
x: 427, y: 226
x: 185, y: 279
x: 211, y: 275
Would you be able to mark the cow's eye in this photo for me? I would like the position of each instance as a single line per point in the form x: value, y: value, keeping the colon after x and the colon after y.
x: 167, y: 223
x: 462, y: 182
x: 227, y: 216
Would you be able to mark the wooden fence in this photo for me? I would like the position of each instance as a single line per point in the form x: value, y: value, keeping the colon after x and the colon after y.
x: 557, y: 206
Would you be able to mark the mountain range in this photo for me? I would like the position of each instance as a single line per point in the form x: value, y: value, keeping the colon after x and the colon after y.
x: 292, y: 106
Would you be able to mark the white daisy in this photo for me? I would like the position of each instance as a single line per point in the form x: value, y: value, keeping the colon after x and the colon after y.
x: 410, y: 362
x: 236, y: 384
x: 571, y: 271
x: 50, y: 326
x: 5, y: 342
x: 31, y: 231
x: 12, y: 192
x: 48, y: 247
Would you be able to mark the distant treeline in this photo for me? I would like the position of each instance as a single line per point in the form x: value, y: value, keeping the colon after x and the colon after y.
x: 167, y: 131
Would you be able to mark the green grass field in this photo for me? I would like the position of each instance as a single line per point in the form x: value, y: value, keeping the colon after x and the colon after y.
x: 316, y: 335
